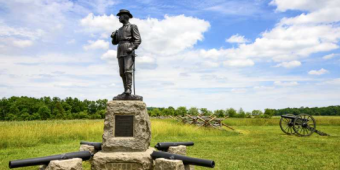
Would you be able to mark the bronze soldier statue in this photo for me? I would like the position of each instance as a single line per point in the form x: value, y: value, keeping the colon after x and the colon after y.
x: 128, y: 39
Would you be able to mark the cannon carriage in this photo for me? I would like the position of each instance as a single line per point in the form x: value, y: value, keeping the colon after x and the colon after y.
x: 301, y: 125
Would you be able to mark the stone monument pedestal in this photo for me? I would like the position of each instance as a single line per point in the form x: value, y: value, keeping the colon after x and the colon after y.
x: 126, y: 138
x: 123, y: 160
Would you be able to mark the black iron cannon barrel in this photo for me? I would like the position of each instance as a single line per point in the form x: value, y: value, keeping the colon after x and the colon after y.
x: 164, y: 146
x: 97, y: 145
x: 84, y: 155
x: 185, y: 159
x: 288, y: 116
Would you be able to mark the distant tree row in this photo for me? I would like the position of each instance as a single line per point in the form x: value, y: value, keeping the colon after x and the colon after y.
x: 182, y: 111
x: 46, y: 108
x: 28, y: 108
x: 319, y: 111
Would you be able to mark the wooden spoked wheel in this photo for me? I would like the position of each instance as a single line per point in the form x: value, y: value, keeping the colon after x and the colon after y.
x: 287, y: 125
x: 304, y: 125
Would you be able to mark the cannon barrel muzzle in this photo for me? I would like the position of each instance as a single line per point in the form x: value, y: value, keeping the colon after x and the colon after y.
x: 97, y: 145
x: 164, y: 146
x: 84, y: 155
x: 185, y: 159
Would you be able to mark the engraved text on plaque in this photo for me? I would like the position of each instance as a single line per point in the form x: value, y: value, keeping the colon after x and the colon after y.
x: 124, y: 126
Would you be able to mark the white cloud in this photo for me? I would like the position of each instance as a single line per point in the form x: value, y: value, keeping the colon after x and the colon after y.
x: 329, y: 56
x: 283, y: 5
x: 146, y: 59
x: 238, y: 63
x: 320, y: 11
x: 290, y: 64
x: 99, y: 44
x: 22, y: 43
x: 318, y: 72
x: 286, y: 84
x: 212, y: 53
x: 210, y: 64
x: 335, y: 82
x: 7, y: 31
x: 109, y: 55
x: 169, y: 36
x: 146, y: 62
x: 237, y: 39
x: 294, y: 38
x: 241, y: 90
x: 105, y: 23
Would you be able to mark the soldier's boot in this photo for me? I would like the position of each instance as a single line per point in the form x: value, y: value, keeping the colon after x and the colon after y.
x: 124, y: 83
x: 128, y: 76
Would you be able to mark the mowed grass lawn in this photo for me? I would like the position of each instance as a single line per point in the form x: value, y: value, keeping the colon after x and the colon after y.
x: 256, y: 143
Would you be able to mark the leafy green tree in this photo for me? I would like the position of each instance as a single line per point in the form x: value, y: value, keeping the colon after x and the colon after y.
x: 231, y: 112
x: 155, y: 112
x: 268, y: 113
x: 171, y: 111
x: 59, y: 111
x: 193, y: 111
x: 82, y: 115
x: 205, y: 112
x: 10, y: 117
x: 92, y: 107
x: 220, y: 113
x: 35, y: 116
x: 241, y: 113
x: 257, y: 113
x: 44, y: 112
x: 181, y: 111
x: 25, y: 116
x: 101, y: 113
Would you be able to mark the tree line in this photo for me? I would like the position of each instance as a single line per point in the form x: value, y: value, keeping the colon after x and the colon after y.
x: 230, y: 112
x: 29, y: 108
x: 47, y: 108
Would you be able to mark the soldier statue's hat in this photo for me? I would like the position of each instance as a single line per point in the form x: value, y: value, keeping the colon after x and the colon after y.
x: 124, y: 11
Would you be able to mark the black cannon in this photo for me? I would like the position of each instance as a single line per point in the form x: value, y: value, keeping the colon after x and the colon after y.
x: 164, y: 146
x: 185, y: 159
x: 97, y: 145
x: 84, y: 155
x: 302, y: 125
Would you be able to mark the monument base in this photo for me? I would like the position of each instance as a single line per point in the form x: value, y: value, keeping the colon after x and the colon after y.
x: 126, y: 127
x: 122, y: 160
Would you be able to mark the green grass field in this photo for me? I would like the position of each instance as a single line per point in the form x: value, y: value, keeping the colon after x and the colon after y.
x: 256, y: 143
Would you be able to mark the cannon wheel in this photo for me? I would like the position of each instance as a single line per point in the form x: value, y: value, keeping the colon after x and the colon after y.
x: 304, y: 125
x: 286, y: 125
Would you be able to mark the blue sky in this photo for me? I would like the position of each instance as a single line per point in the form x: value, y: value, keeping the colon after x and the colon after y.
x: 213, y: 54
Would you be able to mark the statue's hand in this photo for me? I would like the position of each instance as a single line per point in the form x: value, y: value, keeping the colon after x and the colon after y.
x: 113, y: 34
x: 130, y: 49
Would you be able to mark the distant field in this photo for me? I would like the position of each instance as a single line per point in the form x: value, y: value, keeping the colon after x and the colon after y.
x: 251, y: 146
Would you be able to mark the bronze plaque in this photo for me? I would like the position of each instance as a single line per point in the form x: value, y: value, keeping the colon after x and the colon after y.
x: 124, y: 126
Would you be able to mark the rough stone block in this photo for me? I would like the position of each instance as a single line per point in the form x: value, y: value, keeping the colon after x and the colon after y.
x: 140, y: 139
x: 122, y: 160
x: 166, y: 164
x: 87, y: 148
x: 69, y: 164
x: 180, y: 150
